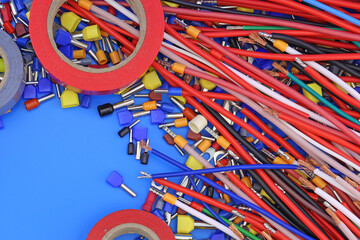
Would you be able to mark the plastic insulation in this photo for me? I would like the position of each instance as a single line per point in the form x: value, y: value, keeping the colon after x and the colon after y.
x: 224, y: 169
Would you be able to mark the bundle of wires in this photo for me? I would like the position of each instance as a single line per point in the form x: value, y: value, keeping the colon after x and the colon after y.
x: 291, y: 84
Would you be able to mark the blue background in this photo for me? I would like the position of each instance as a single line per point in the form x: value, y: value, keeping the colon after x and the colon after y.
x: 53, y: 168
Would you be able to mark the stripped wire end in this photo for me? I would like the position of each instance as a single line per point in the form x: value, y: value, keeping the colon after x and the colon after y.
x: 271, y: 73
x: 300, y: 62
x: 333, y: 216
x: 256, y: 38
x: 313, y: 162
x: 306, y: 165
x: 236, y: 213
x: 245, y: 40
x: 180, y: 23
x: 328, y: 172
x: 144, y: 145
x: 357, y: 203
x: 267, y: 36
x: 266, y: 235
x: 351, y: 182
x: 307, y: 184
x: 280, y: 68
x: 282, y: 153
x: 144, y: 175
x: 157, y: 192
x: 236, y: 231
x: 271, y: 111
x: 164, y: 63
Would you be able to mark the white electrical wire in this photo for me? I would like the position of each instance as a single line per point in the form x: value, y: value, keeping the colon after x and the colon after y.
x: 206, y: 219
x: 314, y: 152
x: 190, y: 53
x: 327, y: 74
x: 331, y: 180
x: 133, y: 17
x: 235, y: 189
x: 337, y: 205
x: 348, y: 233
x: 318, y: 145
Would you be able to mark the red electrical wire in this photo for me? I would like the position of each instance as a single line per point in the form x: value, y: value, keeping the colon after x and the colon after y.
x: 351, y: 5
x: 341, y: 104
x: 256, y: 98
x: 348, y: 223
x: 264, y: 21
x: 335, y: 235
x: 303, y: 126
x: 102, y: 25
x: 295, y: 95
x: 232, y: 140
x: 212, y: 19
x: 242, y: 33
x: 263, y: 99
x: 198, y: 64
x: 129, y: 46
x: 345, y: 121
x: 326, y: 83
x: 330, y: 146
x: 210, y: 58
x: 221, y: 96
x: 351, y: 113
x: 291, y: 57
x: 266, y: 6
x: 345, y: 198
x: 305, y: 78
x: 322, y: 14
x: 272, y: 134
x: 119, y: 30
x: 329, y: 43
x: 235, y: 180
x: 245, y: 71
x: 206, y: 199
x: 243, y: 91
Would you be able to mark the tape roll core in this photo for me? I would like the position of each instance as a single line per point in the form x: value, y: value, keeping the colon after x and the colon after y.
x: 130, y: 221
x: 130, y: 228
x: 96, y: 81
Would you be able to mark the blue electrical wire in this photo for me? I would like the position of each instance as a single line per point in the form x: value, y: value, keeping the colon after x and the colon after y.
x: 207, y: 205
x: 333, y: 11
x: 233, y: 195
x: 225, y: 169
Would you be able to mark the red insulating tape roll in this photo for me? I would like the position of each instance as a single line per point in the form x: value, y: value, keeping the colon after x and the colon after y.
x: 131, y: 221
x: 96, y: 81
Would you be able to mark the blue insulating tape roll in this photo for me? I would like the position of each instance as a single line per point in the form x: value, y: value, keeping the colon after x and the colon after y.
x: 13, y: 84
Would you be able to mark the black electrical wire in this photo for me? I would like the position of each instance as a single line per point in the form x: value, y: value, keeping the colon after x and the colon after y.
x: 314, y: 49
x: 271, y: 47
x: 278, y: 211
x: 334, y: 50
x: 352, y: 66
x: 267, y: 201
x: 294, y: 220
x: 216, y: 9
x: 304, y: 211
x: 263, y: 159
x: 260, y: 156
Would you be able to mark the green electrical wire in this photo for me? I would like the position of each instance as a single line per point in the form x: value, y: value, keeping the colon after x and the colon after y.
x: 356, y: 43
x: 243, y: 231
x: 321, y: 99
